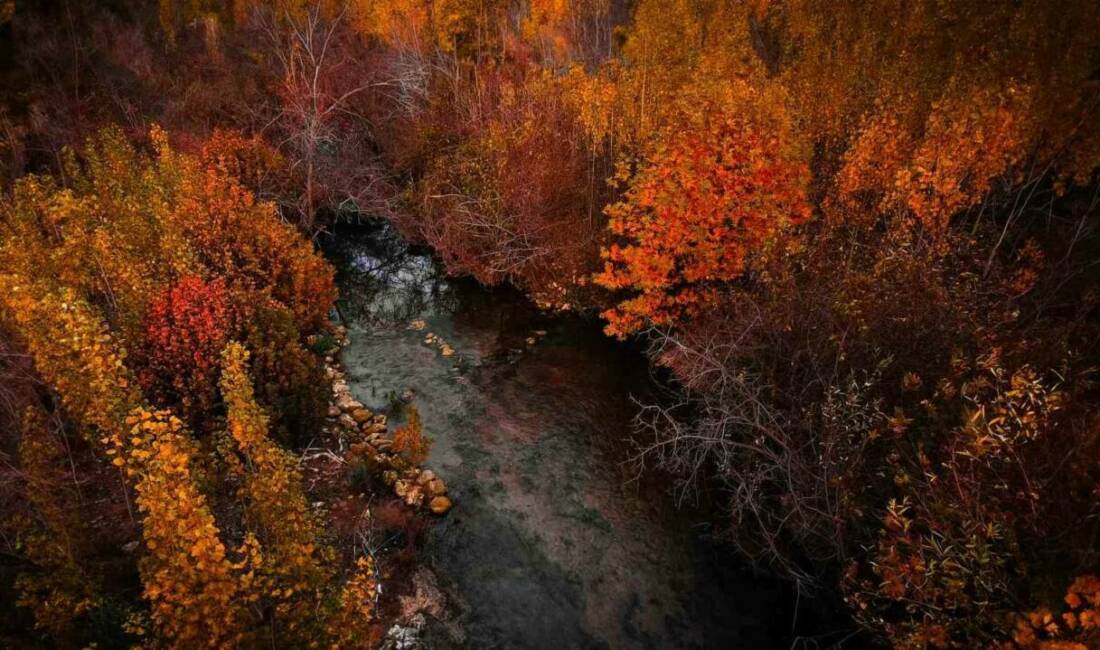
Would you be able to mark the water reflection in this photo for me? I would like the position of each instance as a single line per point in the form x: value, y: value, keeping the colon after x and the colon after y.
x: 383, y: 280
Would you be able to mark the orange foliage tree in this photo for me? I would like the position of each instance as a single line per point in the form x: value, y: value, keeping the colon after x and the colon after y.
x: 701, y: 207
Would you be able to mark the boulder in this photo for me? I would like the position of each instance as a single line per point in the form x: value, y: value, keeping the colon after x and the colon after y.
x: 347, y: 422
x: 440, y: 505
x: 361, y: 415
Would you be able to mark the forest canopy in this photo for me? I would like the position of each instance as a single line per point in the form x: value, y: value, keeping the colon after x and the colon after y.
x: 858, y: 240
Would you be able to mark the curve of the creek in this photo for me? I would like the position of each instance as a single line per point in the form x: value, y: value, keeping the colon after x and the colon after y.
x: 554, y: 540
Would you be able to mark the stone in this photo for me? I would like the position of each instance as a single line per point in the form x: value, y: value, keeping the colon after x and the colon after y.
x: 333, y: 411
x: 379, y: 419
x: 405, y: 637
x: 351, y: 405
x: 426, y: 596
x: 361, y: 415
x: 440, y: 505
x: 365, y: 450
x: 347, y: 422
x: 436, y: 487
x: 401, y: 487
x: 414, y: 497
x: 426, y: 477
x: 374, y: 429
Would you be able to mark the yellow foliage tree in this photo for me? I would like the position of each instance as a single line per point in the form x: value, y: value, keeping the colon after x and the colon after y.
x: 60, y: 589
x: 293, y: 573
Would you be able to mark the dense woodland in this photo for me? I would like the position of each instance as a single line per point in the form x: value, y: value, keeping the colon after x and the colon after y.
x: 858, y: 240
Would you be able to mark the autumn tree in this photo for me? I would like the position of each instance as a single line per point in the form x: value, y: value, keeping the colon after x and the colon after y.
x: 186, y: 328
x: 696, y: 214
x: 81, y: 315
x: 290, y: 578
x: 61, y: 588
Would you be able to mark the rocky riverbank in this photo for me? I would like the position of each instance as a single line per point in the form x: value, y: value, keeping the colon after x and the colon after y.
x: 366, y: 431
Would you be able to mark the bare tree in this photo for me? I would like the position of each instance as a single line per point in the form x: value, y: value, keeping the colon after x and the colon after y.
x: 777, y: 463
x: 321, y: 122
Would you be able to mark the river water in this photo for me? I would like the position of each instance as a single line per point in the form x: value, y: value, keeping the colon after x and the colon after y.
x: 554, y: 542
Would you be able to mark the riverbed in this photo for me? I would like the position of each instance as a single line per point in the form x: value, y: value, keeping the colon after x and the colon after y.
x: 555, y: 540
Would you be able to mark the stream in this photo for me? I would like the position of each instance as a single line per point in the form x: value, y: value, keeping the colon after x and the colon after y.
x: 554, y: 541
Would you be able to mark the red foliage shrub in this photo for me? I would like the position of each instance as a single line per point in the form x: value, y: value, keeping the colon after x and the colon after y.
x: 512, y: 187
x: 186, y: 329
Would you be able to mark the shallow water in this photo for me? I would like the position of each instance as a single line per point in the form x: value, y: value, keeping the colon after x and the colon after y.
x: 553, y: 541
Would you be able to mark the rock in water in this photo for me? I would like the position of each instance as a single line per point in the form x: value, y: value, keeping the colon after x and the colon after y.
x: 436, y: 487
x: 440, y: 505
